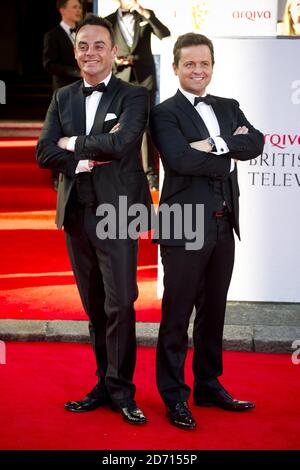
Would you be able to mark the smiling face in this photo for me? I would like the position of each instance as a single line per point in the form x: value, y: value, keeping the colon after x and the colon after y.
x: 94, y: 53
x: 194, y: 69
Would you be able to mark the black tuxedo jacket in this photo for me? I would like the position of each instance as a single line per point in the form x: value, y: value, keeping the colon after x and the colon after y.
x: 123, y: 103
x: 59, y: 59
x: 143, y: 67
x: 188, y: 172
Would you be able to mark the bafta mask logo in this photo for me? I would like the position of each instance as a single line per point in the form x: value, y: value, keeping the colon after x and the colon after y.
x: 199, y: 14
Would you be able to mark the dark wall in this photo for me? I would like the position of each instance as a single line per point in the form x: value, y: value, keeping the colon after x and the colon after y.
x: 8, y: 37
x: 22, y: 29
x: 32, y: 23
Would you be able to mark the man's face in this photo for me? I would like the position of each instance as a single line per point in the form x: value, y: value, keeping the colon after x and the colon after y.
x: 94, y: 53
x: 194, y: 69
x: 71, y: 13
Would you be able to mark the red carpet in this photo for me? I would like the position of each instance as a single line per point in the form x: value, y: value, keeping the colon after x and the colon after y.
x: 23, y: 186
x: 39, y: 377
x: 36, y: 281
x: 62, y: 302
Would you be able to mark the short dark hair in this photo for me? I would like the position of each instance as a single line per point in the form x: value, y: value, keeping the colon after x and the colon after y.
x: 61, y: 4
x: 94, y: 20
x: 192, y: 39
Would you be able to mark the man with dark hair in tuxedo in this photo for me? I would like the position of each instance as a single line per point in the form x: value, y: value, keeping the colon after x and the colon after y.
x: 92, y: 135
x: 133, y: 26
x: 199, y: 138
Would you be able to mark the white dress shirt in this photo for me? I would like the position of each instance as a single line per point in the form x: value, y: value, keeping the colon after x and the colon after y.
x: 91, y: 104
x: 210, y: 120
x: 126, y: 24
x: 67, y: 28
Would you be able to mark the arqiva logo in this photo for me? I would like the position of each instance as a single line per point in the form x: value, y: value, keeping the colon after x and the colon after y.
x: 282, y: 140
x: 252, y: 15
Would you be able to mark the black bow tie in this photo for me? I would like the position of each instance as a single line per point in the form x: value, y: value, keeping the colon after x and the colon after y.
x: 88, y: 90
x: 126, y: 12
x: 208, y: 99
x: 72, y: 30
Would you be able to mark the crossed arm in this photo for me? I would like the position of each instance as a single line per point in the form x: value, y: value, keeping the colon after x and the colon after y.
x: 196, y: 158
x: 103, y: 147
x: 205, y: 146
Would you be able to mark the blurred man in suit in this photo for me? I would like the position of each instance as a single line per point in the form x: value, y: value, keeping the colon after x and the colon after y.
x: 133, y: 26
x: 199, y: 137
x: 58, y: 51
x: 92, y: 135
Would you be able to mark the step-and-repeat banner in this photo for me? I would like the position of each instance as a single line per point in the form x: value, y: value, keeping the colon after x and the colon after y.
x: 212, y: 17
x: 263, y: 74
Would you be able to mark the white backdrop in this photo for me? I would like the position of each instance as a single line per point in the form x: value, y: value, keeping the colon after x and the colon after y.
x: 212, y: 17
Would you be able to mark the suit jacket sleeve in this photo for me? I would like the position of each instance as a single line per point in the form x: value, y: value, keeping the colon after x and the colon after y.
x: 48, y: 154
x: 243, y: 146
x: 176, y: 151
x: 158, y: 28
x: 133, y: 119
x: 52, y: 58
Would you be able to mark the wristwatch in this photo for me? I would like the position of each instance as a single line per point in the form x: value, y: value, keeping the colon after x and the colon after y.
x: 211, y: 142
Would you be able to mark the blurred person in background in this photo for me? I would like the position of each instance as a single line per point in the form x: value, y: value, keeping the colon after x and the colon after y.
x: 133, y: 26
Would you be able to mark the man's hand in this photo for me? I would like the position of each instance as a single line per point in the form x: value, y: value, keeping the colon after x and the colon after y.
x: 112, y: 131
x: 128, y: 60
x: 201, y: 145
x: 63, y: 142
x: 115, y: 128
x: 241, y: 130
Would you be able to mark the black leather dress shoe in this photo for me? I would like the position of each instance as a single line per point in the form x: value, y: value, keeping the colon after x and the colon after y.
x: 222, y: 399
x: 97, y: 397
x: 132, y: 414
x: 180, y: 415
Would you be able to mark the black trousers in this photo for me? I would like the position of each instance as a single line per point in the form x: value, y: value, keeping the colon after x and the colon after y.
x: 105, y: 272
x: 197, y: 279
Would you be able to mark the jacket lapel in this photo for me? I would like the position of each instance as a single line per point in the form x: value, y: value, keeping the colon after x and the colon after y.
x: 78, y: 110
x: 136, y: 35
x: 221, y: 117
x: 191, y: 114
x: 107, y: 97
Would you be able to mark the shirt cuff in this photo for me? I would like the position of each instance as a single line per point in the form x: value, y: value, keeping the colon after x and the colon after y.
x: 222, y: 147
x: 83, y: 166
x: 71, y: 143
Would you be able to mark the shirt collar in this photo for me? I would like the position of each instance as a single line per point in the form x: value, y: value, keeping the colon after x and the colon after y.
x: 65, y: 26
x: 190, y: 96
x: 105, y: 81
x: 120, y: 11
